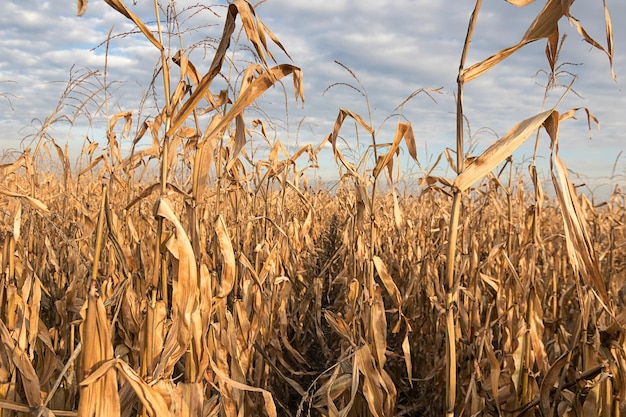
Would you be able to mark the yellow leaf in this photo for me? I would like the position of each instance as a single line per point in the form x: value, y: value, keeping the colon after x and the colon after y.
x: 499, y: 151
x: 228, y: 257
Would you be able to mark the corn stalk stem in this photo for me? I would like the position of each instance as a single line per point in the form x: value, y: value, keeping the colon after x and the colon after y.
x: 453, y: 230
x: 450, y: 319
x: 99, y: 232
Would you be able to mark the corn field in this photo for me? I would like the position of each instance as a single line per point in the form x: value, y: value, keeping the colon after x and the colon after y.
x: 188, y: 278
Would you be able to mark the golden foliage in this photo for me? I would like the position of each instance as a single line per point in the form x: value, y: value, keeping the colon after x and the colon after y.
x: 229, y: 287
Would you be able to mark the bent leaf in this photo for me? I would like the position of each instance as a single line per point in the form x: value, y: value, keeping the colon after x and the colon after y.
x: 499, y: 150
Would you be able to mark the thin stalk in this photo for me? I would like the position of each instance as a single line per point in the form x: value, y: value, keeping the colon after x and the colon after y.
x: 166, y: 91
x: 372, y: 238
x: 147, y: 364
x: 99, y: 232
x: 450, y: 319
x: 453, y: 232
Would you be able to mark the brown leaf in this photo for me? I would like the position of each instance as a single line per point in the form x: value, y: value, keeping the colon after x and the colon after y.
x: 372, y: 382
x: 544, y: 25
x: 228, y: 257
x: 537, y: 332
x: 121, y: 8
x: 552, y: 49
x: 270, y: 407
x: 500, y: 150
x: 257, y: 87
x: 240, y: 140
x: 548, y: 383
x: 99, y: 398
x: 378, y: 328
x: 404, y: 130
x: 255, y: 33
x: 332, y: 138
x: 592, y: 42
x: 82, y: 7
x: 184, y: 293
x: 406, y: 350
x: 609, y: 38
x: 33, y: 202
x: 30, y: 380
x: 8, y: 169
x: 387, y: 280
x: 580, y: 247
x: 151, y: 400
x: 203, y: 160
x: 496, y: 369
x: 520, y: 3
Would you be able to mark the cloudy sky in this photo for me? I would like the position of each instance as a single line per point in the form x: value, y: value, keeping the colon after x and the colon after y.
x: 394, y: 47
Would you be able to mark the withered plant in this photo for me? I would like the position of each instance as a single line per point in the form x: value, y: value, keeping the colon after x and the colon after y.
x: 184, y: 265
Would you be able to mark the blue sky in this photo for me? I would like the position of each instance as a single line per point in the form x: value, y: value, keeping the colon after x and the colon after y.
x: 394, y: 47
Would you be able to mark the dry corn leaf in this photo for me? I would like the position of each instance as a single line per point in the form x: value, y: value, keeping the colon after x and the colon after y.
x: 263, y: 30
x: 188, y: 70
x: 152, y: 400
x: 552, y: 52
x: 308, y: 148
x: 31, y: 292
x: 353, y: 392
x: 20, y: 359
x: 495, y: 370
x: 283, y: 313
x: 610, y: 49
x: 202, y: 161
x: 406, y: 350
x: 184, y: 293
x: 592, y: 42
x: 303, y: 237
x: 332, y: 138
x: 537, y: 332
x: 112, y: 137
x: 403, y: 131
x: 387, y: 280
x: 491, y: 281
x: 544, y: 26
x: 257, y: 87
x: 121, y: 8
x: 229, y: 267
x: 8, y: 169
x: 192, y: 395
x: 14, y: 406
x: 520, y: 3
x: 17, y: 222
x: 270, y: 266
x: 270, y: 407
x: 216, y: 66
x: 99, y: 398
x: 378, y: 328
x: 549, y: 382
x: 250, y: 24
x: 500, y: 150
x: 239, y: 140
x: 397, y: 212
x: 391, y: 396
x: 338, y: 325
x: 91, y: 165
x: 81, y: 7
x: 372, y: 383
x: 332, y: 388
x: 33, y: 202
x: 580, y: 248
x: 253, y: 32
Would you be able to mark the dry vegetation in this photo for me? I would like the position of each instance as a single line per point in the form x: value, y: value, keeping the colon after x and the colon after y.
x: 227, y: 286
